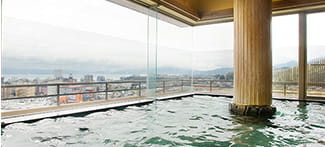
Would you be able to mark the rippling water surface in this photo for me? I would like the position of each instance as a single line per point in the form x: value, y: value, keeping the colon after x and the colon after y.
x: 198, y: 121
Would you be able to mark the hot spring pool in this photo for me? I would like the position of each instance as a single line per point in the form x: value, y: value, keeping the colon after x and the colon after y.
x: 192, y: 121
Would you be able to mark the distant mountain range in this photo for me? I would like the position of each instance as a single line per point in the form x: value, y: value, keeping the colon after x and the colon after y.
x: 81, y: 52
x: 45, y: 71
x: 289, y: 64
x: 215, y: 71
x: 163, y: 70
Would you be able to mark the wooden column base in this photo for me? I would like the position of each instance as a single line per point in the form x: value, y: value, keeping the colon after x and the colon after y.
x: 247, y: 110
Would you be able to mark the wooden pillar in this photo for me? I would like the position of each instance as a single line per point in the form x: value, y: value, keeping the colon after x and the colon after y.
x: 253, y: 58
x: 302, y: 56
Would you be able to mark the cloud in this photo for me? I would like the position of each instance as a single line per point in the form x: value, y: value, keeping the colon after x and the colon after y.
x: 98, y: 16
x: 30, y: 45
x: 54, y: 45
x: 210, y: 60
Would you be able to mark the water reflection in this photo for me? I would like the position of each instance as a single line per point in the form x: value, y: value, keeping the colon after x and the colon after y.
x: 302, y: 110
x: 250, y: 131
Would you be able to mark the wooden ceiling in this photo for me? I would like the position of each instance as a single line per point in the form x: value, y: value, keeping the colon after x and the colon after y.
x: 200, y: 12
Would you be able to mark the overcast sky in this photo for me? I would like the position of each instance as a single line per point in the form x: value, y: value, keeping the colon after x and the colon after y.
x: 105, y: 18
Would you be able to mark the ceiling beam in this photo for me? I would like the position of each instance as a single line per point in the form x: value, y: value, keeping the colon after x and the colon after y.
x: 284, y: 7
x: 278, y: 8
x: 184, y: 10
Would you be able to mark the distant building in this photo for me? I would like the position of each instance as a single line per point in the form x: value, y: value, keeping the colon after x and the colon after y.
x: 72, y: 89
x: 25, y: 91
x: 70, y: 76
x: 100, y: 78
x: 58, y: 74
x: 52, y: 89
x: 7, y: 92
x: 71, y: 79
x: 89, y: 78
x: 41, y: 90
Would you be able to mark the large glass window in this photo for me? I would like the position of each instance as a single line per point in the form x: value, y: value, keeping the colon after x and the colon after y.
x: 55, y: 41
x: 174, y: 58
x: 70, y: 41
x: 213, y: 58
x: 316, y: 55
x: 77, y: 37
x: 285, y: 55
